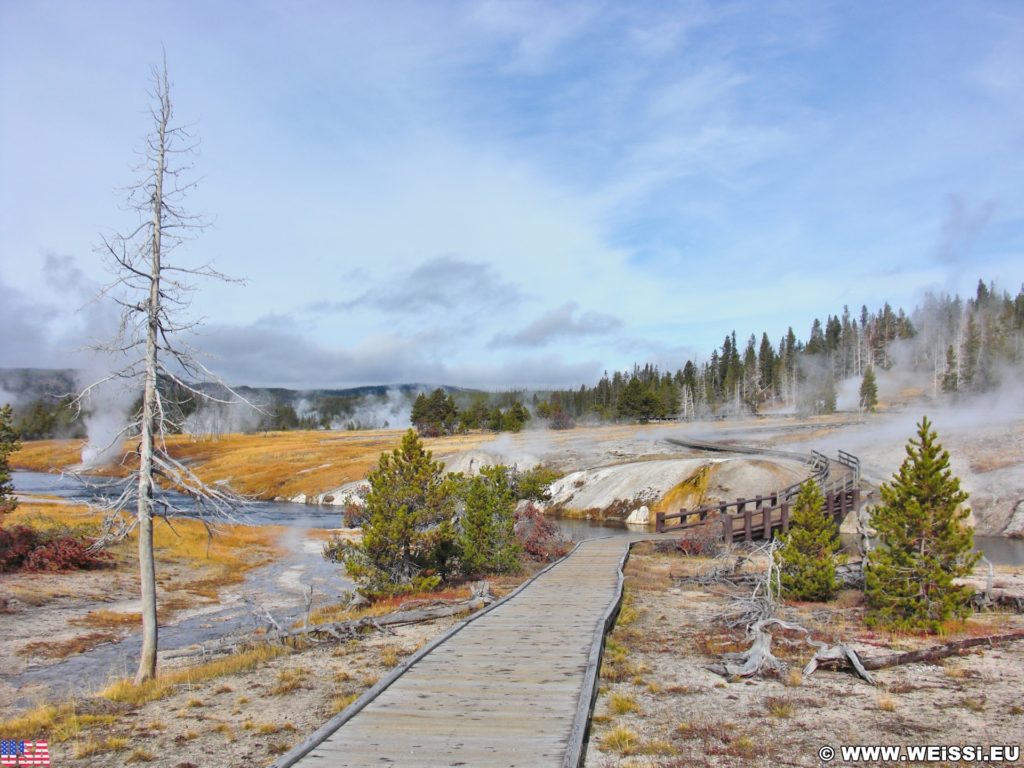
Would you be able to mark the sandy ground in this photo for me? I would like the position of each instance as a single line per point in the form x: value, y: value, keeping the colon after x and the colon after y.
x: 659, y: 706
x: 245, y: 719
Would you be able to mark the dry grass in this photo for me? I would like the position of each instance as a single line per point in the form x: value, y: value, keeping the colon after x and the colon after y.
x: 140, y: 755
x: 60, y: 649
x: 779, y: 707
x: 622, y: 704
x: 105, y: 619
x: 60, y: 722
x: 621, y: 740
x: 225, y: 730
x: 126, y: 691
x: 389, y: 656
x: 338, y: 703
x: 36, y: 595
x: 974, y: 705
x: 47, y: 455
x: 289, y: 680
x: 101, y: 746
x: 265, y: 465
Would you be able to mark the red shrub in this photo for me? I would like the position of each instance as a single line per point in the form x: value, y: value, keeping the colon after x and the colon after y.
x: 24, y: 549
x: 64, y: 554
x: 15, y: 545
x: 540, y: 538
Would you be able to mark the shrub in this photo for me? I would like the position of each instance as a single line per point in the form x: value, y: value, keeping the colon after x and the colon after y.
x: 22, y: 548
x: 540, y: 538
x: 65, y: 554
x: 535, y: 483
x: 16, y: 544
x: 561, y: 420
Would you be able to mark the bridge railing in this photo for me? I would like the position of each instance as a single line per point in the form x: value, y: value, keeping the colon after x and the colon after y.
x: 763, y: 516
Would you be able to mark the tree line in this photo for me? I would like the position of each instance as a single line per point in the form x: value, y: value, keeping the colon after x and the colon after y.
x: 954, y: 345
x: 437, y: 414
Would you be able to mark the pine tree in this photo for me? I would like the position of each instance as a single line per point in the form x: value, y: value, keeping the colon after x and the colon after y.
x: 408, y: 538
x: 868, y: 390
x: 486, y: 539
x: 807, y: 569
x: 8, y: 444
x: 923, y: 542
x: 950, y: 379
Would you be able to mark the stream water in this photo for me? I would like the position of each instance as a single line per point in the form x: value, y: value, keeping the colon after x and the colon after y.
x: 277, y: 587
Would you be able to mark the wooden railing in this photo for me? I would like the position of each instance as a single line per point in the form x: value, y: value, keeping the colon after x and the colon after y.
x: 762, y: 517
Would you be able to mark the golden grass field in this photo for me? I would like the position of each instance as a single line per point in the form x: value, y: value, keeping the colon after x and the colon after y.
x: 264, y: 465
x: 234, y: 549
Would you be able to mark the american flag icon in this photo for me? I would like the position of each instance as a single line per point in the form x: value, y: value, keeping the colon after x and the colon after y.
x: 18, y: 753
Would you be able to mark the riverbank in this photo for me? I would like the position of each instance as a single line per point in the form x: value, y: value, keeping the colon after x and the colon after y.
x: 264, y: 465
x: 659, y: 705
x: 49, y: 617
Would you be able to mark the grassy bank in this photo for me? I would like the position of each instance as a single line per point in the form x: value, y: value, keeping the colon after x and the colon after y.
x: 265, y: 465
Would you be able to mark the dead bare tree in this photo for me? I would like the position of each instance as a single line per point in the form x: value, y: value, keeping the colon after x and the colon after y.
x: 148, y: 350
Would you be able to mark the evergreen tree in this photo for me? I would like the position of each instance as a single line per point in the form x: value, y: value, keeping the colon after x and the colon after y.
x: 868, y: 390
x: 923, y: 542
x: 408, y: 538
x: 950, y: 380
x: 8, y: 444
x: 486, y: 539
x: 418, y: 417
x: 516, y: 417
x: 807, y: 569
x: 828, y: 395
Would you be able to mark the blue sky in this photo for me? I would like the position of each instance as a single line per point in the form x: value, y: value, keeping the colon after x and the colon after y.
x: 512, y: 193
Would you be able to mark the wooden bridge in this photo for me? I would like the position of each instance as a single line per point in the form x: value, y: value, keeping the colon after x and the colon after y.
x: 762, y: 517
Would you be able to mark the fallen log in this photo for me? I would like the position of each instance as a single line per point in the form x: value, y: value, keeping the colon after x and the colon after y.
x: 937, y: 652
x: 759, y: 660
x: 343, y: 630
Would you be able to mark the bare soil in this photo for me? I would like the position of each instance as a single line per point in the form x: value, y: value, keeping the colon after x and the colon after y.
x: 659, y: 706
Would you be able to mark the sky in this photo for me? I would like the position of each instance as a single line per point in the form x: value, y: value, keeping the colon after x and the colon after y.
x: 510, y: 194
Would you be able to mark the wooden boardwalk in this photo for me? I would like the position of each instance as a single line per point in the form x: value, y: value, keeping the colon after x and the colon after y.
x: 513, y: 687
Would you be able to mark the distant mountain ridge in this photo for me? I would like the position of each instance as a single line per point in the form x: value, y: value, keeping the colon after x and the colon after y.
x: 27, y: 384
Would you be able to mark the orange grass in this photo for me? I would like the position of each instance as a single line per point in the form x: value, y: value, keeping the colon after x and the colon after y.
x: 60, y: 649
x: 265, y: 465
x: 219, y: 561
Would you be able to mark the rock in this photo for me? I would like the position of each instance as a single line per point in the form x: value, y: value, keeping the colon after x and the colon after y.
x: 641, y: 516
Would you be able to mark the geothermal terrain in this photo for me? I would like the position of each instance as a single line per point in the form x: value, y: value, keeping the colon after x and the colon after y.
x: 608, y: 475
x: 623, y: 467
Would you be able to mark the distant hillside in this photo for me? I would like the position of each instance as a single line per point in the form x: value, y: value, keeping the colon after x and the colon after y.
x: 40, y: 400
x: 27, y: 384
x: 21, y: 384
